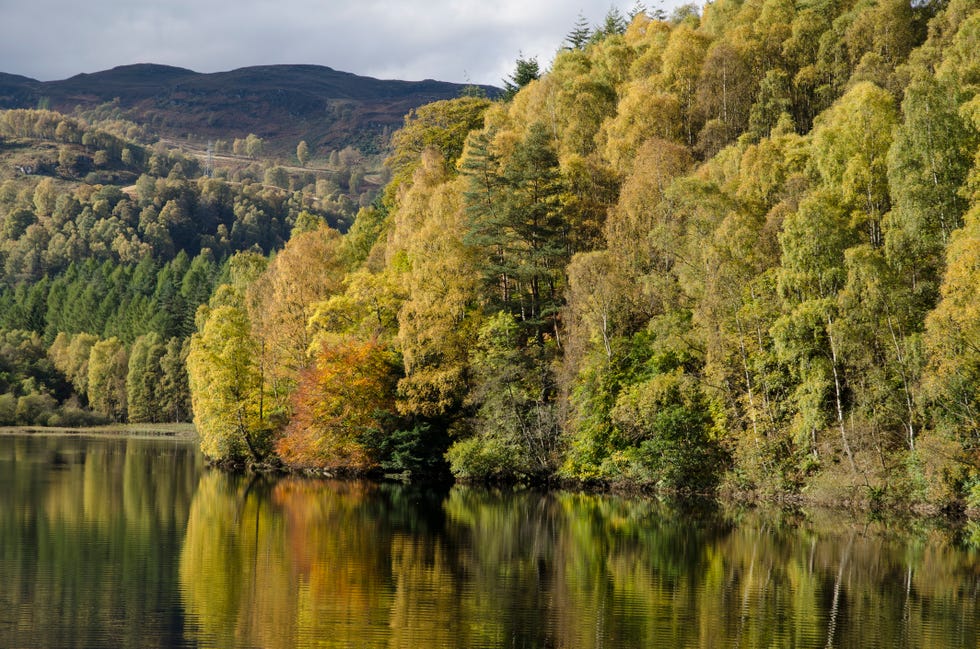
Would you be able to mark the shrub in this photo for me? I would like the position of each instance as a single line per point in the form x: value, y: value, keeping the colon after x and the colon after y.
x: 35, y: 409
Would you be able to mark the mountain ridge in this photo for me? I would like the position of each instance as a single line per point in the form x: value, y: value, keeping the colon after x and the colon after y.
x: 282, y: 103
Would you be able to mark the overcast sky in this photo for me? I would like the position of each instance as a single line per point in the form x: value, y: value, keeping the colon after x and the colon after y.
x: 473, y: 41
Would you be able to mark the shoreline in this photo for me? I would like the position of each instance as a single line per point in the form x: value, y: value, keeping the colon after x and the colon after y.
x: 848, y: 503
x: 185, y: 432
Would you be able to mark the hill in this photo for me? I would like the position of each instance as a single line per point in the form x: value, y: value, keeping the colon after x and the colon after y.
x: 282, y: 104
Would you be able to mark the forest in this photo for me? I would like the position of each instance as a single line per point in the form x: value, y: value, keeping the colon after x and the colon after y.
x: 733, y: 248
x: 109, y: 244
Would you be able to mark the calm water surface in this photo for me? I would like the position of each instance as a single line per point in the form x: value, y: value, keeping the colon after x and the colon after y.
x: 132, y: 543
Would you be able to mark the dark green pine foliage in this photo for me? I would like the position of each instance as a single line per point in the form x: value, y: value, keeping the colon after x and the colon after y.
x: 579, y: 37
x: 516, y: 222
x: 197, y: 285
x: 144, y: 379
x: 485, y: 214
x: 640, y: 8
x: 171, y: 314
x: 539, y: 233
x: 25, y: 306
x: 525, y: 71
x: 614, y: 24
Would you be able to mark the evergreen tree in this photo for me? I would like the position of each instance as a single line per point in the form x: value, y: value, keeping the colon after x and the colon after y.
x: 520, y: 229
x: 579, y: 37
x: 143, y: 379
x: 525, y: 71
x: 614, y: 24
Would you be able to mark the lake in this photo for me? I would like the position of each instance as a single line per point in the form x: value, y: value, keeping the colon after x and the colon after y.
x: 110, y: 542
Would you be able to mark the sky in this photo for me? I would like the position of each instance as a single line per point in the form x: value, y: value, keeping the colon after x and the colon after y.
x: 464, y: 41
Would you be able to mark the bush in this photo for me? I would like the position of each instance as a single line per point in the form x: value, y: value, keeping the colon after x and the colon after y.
x: 35, y: 409
x: 669, y: 424
x: 488, y: 457
x: 8, y: 409
x: 417, y: 451
x: 75, y: 417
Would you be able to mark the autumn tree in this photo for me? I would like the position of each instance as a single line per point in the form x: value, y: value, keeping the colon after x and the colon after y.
x: 282, y: 300
x: 227, y: 384
x: 646, y: 111
x: 253, y: 145
x: 302, y: 153
x: 70, y: 354
x: 442, y: 126
x: 436, y: 271
x: 107, y: 369
x: 343, y: 404
x: 954, y: 360
x: 683, y: 59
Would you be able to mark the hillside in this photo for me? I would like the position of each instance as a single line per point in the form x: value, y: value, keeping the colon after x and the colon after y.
x: 732, y: 250
x: 282, y: 104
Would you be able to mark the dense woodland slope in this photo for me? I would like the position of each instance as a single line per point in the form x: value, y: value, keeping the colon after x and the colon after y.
x: 108, y: 247
x: 735, y: 248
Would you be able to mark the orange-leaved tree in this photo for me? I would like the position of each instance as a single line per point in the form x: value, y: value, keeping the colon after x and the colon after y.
x: 345, y: 399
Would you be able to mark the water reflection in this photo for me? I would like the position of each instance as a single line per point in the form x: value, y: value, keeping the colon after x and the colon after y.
x: 300, y: 563
x: 132, y: 543
x: 89, y: 536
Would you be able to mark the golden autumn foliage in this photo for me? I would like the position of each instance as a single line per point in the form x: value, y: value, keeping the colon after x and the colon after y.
x: 309, y: 269
x: 953, y: 338
x: 346, y: 394
x: 742, y: 235
x: 227, y: 386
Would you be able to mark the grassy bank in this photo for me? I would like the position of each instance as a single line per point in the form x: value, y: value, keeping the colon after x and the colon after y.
x: 178, y: 431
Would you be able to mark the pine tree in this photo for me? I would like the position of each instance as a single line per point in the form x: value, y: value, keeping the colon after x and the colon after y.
x: 614, y: 24
x: 525, y: 71
x: 579, y: 37
x: 516, y: 222
x: 143, y: 379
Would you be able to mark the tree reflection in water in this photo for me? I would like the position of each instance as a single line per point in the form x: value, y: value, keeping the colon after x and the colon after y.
x: 299, y: 563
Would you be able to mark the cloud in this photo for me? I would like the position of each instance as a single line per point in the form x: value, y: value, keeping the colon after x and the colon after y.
x: 452, y: 40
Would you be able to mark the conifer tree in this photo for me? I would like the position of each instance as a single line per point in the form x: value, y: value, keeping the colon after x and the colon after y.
x: 143, y: 379
x: 526, y: 70
x: 579, y: 37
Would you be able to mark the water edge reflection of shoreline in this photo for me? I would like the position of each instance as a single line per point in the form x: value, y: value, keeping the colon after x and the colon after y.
x: 123, y: 542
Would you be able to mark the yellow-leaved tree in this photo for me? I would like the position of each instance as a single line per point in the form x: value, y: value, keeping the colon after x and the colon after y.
x: 226, y: 379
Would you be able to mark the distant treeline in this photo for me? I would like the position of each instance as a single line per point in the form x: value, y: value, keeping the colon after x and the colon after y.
x: 99, y: 282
